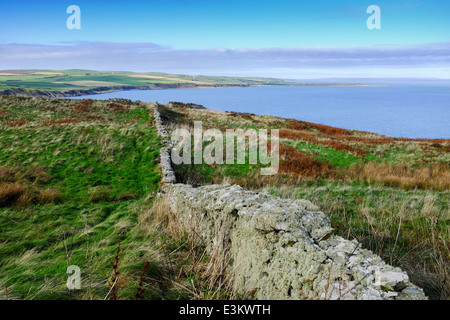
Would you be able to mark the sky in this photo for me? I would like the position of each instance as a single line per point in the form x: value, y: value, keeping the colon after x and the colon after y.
x: 277, y: 38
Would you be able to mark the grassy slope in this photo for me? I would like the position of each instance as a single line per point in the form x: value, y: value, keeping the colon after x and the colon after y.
x: 57, y: 80
x: 390, y: 194
x: 78, y: 179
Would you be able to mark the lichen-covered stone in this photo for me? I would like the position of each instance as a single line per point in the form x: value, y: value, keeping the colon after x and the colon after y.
x: 283, y: 249
x: 168, y: 175
x: 166, y: 168
x: 162, y: 132
x: 391, y: 280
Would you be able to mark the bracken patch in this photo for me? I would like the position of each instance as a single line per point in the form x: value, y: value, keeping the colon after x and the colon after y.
x: 60, y: 122
x: 293, y: 161
x: 328, y: 130
x: 17, y: 123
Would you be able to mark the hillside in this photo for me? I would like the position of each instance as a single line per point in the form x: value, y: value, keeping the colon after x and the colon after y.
x: 78, y: 179
x: 60, y: 83
x: 79, y: 182
x: 391, y: 194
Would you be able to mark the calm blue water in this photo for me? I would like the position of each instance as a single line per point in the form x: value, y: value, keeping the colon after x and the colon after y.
x: 397, y: 111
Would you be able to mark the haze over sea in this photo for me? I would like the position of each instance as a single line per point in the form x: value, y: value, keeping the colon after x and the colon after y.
x: 410, y: 111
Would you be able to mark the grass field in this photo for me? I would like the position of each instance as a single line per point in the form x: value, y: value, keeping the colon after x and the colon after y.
x: 390, y: 194
x: 66, y: 80
x: 78, y: 181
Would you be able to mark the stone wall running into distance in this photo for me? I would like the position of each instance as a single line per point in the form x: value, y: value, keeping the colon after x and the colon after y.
x: 279, y: 248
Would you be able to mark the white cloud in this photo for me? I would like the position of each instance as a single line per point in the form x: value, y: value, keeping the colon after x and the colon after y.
x: 427, y: 60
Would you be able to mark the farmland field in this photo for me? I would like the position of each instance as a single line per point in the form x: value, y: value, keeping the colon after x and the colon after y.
x: 68, y: 82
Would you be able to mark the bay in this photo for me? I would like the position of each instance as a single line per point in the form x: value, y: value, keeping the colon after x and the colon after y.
x: 396, y: 111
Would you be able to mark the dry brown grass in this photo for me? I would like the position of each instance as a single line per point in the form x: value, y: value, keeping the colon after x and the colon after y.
x: 376, y: 140
x: 404, y: 176
x: 10, y: 193
x: 116, y: 107
x: 21, y: 187
x: 98, y: 194
x: 327, y: 130
x: 95, y: 118
x: 293, y: 134
x: 310, y: 137
x: 48, y: 196
x: 8, y: 174
x: 445, y: 148
x: 35, y: 174
x: 293, y: 161
x: 163, y: 216
x: 60, y: 122
x: 244, y: 115
x: 84, y: 105
x: 440, y: 141
x: 17, y: 123
x: 192, y: 258
x: 19, y: 195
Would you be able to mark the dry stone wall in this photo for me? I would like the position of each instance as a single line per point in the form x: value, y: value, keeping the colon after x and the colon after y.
x: 168, y: 175
x: 280, y: 248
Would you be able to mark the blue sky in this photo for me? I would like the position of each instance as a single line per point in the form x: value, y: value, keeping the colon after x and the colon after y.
x: 186, y: 27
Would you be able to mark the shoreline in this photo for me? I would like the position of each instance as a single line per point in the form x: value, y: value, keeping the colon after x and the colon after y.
x: 37, y: 93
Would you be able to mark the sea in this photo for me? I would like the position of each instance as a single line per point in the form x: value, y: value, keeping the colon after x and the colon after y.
x: 409, y: 111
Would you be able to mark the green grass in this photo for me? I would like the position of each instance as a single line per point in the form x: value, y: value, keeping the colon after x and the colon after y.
x: 105, y: 170
x: 78, y: 184
x: 111, y: 155
x: 78, y: 181
x: 32, y: 80
x: 331, y: 155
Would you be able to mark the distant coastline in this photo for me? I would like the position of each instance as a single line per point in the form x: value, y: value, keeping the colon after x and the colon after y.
x: 23, y: 92
x: 73, y: 83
